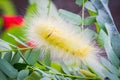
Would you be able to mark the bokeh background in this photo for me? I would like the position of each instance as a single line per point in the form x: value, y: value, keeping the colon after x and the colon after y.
x: 114, y: 5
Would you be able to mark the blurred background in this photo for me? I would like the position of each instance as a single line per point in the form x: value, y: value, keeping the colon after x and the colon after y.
x: 20, y: 7
x: 114, y: 6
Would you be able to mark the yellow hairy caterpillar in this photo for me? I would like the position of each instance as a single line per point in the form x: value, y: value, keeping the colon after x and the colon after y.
x: 63, y: 41
x: 66, y: 41
x: 62, y: 38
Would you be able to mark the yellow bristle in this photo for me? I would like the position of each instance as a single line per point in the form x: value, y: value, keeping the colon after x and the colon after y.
x: 56, y: 38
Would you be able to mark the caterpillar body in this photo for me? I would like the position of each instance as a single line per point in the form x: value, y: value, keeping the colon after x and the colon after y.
x: 49, y: 33
x: 66, y: 41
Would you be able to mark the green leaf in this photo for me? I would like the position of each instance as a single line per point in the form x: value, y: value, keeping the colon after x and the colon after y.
x: 105, y: 2
x: 17, y: 40
x: 8, y: 56
x: 47, y: 58
x: 104, y: 40
x: 16, y: 31
x: 42, y: 72
x: 109, y: 66
x: 54, y: 77
x: 110, y: 75
x: 104, y: 15
x: 89, y: 20
x: 20, y: 66
x: 40, y: 66
x: 44, y: 67
x: 4, y: 45
x: 102, y: 18
x: 106, y: 23
x: 56, y: 66
x: 91, y: 13
x: 102, y: 37
x: 64, y: 67
x: 114, y: 37
x: 2, y: 76
x: 71, y: 17
x: 16, y: 58
x: 8, y: 69
x: 110, y: 53
x: 32, y: 56
x: 93, y: 71
x: 101, y: 5
x: 89, y: 6
x: 27, y: 54
x: 79, y: 2
x: 59, y: 77
x: 22, y: 74
x: 21, y: 55
x: 33, y: 76
x: 45, y: 78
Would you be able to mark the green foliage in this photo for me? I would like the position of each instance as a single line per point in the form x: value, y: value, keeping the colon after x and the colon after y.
x: 114, y: 37
x: 89, y: 20
x: 79, y: 2
x: 17, y: 69
x: 2, y: 76
x: 4, y: 45
x: 17, y: 40
x: 15, y: 58
x: 32, y: 56
x: 30, y: 63
x: 22, y: 74
x: 64, y: 68
x: 8, y: 56
x: 16, y: 31
x: 47, y: 58
x: 109, y: 66
x: 8, y: 69
x: 33, y: 76
x: 69, y: 16
x: 56, y: 66
x: 89, y: 6
x: 4, y: 7
x: 20, y: 66
x: 110, y: 53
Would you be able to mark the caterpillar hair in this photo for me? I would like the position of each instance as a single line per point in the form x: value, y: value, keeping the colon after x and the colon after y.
x: 66, y: 41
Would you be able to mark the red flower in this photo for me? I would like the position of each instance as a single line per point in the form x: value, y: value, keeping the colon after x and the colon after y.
x: 10, y: 21
x: 31, y: 43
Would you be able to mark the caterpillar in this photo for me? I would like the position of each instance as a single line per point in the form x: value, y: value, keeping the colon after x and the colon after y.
x: 66, y: 41
x: 50, y: 34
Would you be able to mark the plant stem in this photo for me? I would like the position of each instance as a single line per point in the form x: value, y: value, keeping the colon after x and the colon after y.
x: 22, y: 57
x: 21, y: 49
x: 83, y: 4
x: 67, y: 75
x: 49, y: 7
x: 72, y: 76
